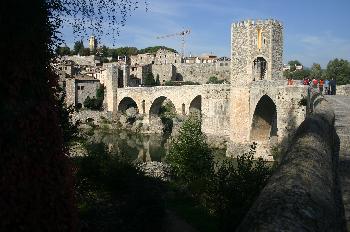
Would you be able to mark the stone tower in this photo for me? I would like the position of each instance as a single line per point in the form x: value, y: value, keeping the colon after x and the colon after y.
x: 256, y: 51
x: 92, y: 43
x: 256, y: 60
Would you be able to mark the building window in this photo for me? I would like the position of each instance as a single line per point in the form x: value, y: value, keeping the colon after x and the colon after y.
x: 82, y: 87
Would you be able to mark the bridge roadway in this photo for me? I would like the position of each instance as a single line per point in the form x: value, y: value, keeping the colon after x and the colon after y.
x: 341, y: 106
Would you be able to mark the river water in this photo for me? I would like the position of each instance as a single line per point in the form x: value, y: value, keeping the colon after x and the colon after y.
x: 144, y: 147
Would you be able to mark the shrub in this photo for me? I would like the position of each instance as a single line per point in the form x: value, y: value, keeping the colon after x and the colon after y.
x: 95, y: 103
x: 189, y: 153
x: 235, y: 186
x: 113, y: 196
x: 179, y: 83
x: 214, y: 80
x: 149, y: 80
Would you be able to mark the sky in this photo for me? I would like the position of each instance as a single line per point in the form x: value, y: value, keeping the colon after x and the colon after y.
x: 315, y: 31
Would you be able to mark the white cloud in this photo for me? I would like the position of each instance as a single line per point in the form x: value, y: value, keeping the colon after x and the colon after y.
x: 318, y: 48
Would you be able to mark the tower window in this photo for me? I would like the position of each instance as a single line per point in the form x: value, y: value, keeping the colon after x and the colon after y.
x: 259, y: 38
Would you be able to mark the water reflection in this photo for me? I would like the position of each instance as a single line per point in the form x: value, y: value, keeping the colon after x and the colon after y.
x: 145, y: 147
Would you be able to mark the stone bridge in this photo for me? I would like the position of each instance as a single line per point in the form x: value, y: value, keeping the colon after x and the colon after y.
x: 211, y: 100
x: 309, y: 190
x: 265, y: 113
x: 257, y: 106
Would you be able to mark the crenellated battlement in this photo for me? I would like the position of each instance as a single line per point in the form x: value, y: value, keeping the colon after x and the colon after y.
x: 250, y: 22
x: 257, y: 49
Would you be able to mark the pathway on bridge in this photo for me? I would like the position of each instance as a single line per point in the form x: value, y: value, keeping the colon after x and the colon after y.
x: 341, y: 106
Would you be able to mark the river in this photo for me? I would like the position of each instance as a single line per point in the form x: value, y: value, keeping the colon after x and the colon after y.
x: 144, y: 147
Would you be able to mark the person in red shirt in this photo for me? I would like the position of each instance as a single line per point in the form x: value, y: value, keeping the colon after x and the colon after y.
x: 320, y: 86
x: 314, y: 83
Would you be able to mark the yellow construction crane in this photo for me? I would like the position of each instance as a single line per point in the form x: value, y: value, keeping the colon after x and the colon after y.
x: 182, y: 34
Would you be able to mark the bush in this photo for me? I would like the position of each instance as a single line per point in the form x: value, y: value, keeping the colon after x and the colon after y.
x: 95, y: 103
x: 149, y: 80
x: 214, y: 80
x: 179, y: 83
x: 189, y: 153
x: 235, y: 186
x: 113, y: 196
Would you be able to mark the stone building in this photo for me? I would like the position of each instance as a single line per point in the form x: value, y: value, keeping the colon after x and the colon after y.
x: 79, y: 88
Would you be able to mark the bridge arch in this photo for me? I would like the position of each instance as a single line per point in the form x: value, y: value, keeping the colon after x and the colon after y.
x: 196, y: 105
x: 264, y: 122
x: 155, y: 109
x: 126, y: 103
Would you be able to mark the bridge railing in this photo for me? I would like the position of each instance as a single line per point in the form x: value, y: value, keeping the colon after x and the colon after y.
x: 303, y: 193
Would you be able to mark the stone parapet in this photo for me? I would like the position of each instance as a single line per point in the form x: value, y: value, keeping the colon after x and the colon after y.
x: 303, y: 194
x: 343, y: 90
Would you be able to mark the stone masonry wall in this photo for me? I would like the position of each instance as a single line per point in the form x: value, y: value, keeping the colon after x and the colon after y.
x: 70, y: 91
x: 201, y: 72
x: 303, y: 193
x: 343, y: 90
x: 214, y: 104
x: 90, y: 89
x: 244, y: 49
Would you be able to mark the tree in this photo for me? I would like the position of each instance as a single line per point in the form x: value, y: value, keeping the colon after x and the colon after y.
x: 95, y: 103
x: 316, y: 71
x: 189, y: 153
x: 340, y: 70
x: 104, y: 51
x: 36, y: 184
x: 157, y: 83
x: 78, y: 47
x: 235, y: 186
x: 85, y: 52
x: 149, y: 79
x: 293, y: 64
x: 155, y: 49
x: 214, y: 80
x: 63, y: 51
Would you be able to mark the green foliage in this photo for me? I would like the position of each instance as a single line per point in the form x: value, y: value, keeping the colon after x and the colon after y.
x: 113, y: 195
x: 70, y: 129
x: 339, y: 69
x: 86, y: 52
x: 103, y: 51
x: 63, y: 51
x: 235, y: 186
x: 149, y: 79
x: 122, y: 51
x: 214, y: 80
x: 167, y: 113
x: 190, y: 155
x: 36, y: 184
x: 154, y: 49
x: 292, y: 64
x: 95, y: 103
x: 316, y: 71
x: 78, y: 47
x: 157, y: 80
x: 297, y: 74
x: 179, y: 83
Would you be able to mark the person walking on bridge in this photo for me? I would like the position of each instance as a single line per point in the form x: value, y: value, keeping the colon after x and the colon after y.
x: 320, y: 86
x: 326, y: 87
x: 332, y: 85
